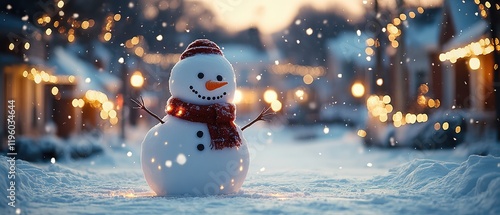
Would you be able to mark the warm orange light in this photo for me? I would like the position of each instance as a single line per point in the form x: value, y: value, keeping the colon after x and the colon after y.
x: 308, y: 79
x: 358, y: 90
x: 474, y: 63
x: 238, y: 96
x: 137, y: 80
x: 270, y: 96
x: 276, y: 105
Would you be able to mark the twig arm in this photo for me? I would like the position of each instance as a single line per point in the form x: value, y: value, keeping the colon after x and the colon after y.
x: 264, y: 116
x: 140, y: 105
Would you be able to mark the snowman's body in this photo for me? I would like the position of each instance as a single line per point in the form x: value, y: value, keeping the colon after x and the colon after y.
x: 174, y: 165
x: 177, y: 156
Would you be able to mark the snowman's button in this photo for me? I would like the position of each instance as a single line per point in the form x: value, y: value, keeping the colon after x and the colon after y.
x: 200, y: 147
x: 199, y: 134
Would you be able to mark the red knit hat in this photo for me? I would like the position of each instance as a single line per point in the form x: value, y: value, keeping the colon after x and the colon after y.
x: 201, y: 46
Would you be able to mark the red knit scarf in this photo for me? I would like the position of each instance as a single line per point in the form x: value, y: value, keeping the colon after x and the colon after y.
x: 218, y: 117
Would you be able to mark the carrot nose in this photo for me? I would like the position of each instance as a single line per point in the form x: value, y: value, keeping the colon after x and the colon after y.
x: 213, y: 85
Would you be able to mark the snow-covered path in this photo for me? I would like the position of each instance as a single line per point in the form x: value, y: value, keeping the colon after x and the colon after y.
x: 331, y: 173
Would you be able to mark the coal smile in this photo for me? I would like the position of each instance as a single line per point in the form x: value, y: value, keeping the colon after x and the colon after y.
x: 206, y: 97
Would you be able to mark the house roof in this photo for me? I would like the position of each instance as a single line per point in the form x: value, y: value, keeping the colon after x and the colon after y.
x: 68, y: 64
x: 467, y: 23
x: 423, y: 30
x: 348, y: 46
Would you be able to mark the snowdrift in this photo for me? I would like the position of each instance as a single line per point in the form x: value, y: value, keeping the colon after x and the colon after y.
x: 473, y: 185
x: 421, y: 186
x: 53, y: 183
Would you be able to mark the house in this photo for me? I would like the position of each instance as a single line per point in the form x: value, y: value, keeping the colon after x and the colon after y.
x: 24, y: 76
x: 467, y: 64
x: 49, y: 94
x: 350, y: 66
x: 441, y: 79
x: 250, y: 66
x: 91, y: 101
x: 466, y: 58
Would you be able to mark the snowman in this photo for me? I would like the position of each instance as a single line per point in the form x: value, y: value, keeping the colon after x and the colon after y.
x: 197, y: 149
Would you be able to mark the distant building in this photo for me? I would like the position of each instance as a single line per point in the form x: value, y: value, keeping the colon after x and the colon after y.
x: 346, y: 84
x: 250, y: 65
x: 348, y: 63
x: 441, y: 78
x: 24, y: 76
x: 467, y: 58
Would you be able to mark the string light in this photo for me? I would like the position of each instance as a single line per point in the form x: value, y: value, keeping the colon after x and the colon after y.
x: 283, y: 69
x: 380, y: 108
x: 481, y: 47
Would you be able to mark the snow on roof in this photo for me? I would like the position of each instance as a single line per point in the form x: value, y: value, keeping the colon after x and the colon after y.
x: 464, y: 14
x: 348, y: 46
x: 88, y: 77
x: 423, y: 32
x: 468, y: 24
x: 473, y: 34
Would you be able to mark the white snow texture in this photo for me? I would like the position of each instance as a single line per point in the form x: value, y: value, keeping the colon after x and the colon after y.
x: 333, y: 173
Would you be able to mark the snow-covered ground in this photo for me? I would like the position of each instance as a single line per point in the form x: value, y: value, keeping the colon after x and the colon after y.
x: 330, y: 173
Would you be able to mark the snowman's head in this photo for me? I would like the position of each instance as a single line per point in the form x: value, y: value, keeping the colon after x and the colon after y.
x: 203, y: 75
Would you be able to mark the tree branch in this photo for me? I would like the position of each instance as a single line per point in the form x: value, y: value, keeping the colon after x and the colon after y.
x: 140, y: 105
x: 264, y: 116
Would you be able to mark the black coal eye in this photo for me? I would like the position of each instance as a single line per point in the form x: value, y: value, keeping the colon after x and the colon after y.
x: 219, y: 78
x: 201, y: 75
x: 200, y: 147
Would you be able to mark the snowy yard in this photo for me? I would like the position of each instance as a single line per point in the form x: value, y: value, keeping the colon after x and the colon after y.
x: 332, y: 173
